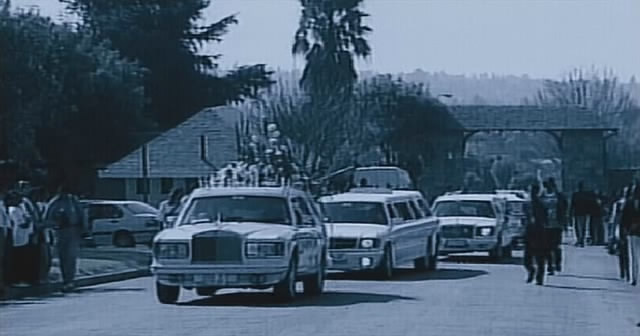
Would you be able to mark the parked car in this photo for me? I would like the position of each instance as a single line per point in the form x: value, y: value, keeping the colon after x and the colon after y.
x: 474, y: 223
x: 242, y: 237
x: 376, y: 229
x: 121, y: 223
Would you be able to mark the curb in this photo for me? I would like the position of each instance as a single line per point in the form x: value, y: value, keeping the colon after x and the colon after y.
x: 86, y: 281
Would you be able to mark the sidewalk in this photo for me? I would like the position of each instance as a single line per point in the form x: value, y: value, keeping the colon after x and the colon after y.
x: 95, y: 266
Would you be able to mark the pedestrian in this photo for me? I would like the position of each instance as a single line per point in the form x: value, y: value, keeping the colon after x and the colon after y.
x: 23, y: 249
x: 66, y: 215
x: 37, y: 238
x: 631, y: 221
x: 579, y: 210
x: 170, y: 208
x: 623, y: 234
x: 536, y: 238
x: 555, y: 205
x: 596, y: 211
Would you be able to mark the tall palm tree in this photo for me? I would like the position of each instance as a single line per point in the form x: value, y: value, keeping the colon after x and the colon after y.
x: 330, y: 34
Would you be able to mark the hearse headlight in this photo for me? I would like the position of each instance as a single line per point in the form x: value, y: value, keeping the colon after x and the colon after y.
x: 485, y: 231
x: 369, y: 243
x: 264, y: 249
x: 171, y: 250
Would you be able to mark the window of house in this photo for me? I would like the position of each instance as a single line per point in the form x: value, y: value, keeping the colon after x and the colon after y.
x: 166, y: 184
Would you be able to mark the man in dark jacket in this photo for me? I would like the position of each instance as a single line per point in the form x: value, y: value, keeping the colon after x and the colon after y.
x: 580, y: 204
x: 631, y: 224
x: 537, y: 244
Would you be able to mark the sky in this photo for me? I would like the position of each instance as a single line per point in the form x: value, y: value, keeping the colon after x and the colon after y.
x: 539, y: 38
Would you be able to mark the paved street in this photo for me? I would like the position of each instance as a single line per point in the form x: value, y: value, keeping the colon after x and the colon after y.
x: 467, y: 296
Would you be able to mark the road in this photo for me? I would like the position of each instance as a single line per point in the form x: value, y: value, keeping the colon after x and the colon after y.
x: 467, y: 296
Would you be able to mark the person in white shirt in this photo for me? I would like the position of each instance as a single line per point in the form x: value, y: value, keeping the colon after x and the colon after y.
x: 22, y: 253
x: 170, y: 208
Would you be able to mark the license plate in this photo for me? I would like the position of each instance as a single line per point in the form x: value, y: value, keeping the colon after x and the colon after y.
x: 456, y: 243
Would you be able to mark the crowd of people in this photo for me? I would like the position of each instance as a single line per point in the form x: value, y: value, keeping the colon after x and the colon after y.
x: 550, y: 214
x: 33, y: 229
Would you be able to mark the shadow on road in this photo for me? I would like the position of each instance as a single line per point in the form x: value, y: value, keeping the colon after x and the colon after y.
x: 105, y: 290
x: 586, y: 277
x: 405, y: 274
x: 465, y: 259
x: 586, y: 288
x: 327, y: 299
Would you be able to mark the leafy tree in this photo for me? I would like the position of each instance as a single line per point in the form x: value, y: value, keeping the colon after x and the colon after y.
x: 67, y: 101
x: 602, y: 93
x: 330, y: 34
x: 165, y: 38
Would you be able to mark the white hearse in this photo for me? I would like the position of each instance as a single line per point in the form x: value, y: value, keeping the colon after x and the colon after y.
x: 376, y: 229
x: 242, y: 237
x: 474, y: 223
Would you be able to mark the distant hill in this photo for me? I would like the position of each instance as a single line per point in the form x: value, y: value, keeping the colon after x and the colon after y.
x: 484, y: 89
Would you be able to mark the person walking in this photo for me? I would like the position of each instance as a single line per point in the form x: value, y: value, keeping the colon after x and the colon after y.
x: 555, y: 205
x: 579, y: 211
x: 631, y: 222
x: 596, y: 212
x: 536, y: 238
x: 623, y: 234
x: 170, y: 208
x: 23, y: 250
x: 65, y: 214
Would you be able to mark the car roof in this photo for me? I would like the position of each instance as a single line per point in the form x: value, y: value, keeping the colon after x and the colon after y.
x: 379, y: 168
x: 469, y: 197
x: 368, y: 197
x: 246, y: 191
x: 110, y: 202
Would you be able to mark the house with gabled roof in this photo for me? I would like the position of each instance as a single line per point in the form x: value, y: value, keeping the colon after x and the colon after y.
x: 176, y: 158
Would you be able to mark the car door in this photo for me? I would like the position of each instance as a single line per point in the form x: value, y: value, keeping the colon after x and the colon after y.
x: 307, y: 235
x: 105, y: 220
x: 404, y: 232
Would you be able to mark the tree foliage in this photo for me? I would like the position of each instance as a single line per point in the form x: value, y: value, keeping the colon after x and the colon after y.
x: 165, y: 37
x: 66, y: 100
x: 330, y: 34
x: 601, y: 92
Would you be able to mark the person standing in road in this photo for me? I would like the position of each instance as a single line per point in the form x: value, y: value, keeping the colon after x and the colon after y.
x: 65, y: 214
x: 4, y: 237
x: 631, y: 221
x: 536, y: 238
x: 579, y: 211
x: 555, y: 205
x: 623, y: 234
x: 170, y: 208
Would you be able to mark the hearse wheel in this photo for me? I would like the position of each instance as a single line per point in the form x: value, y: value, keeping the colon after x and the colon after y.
x: 314, y: 285
x: 206, y: 291
x: 285, y: 291
x: 167, y: 294
x: 385, y: 270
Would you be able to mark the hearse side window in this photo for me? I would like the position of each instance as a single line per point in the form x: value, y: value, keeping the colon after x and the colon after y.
x: 418, y: 214
x: 392, y: 212
x: 425, y: 208
x: 403, y: 210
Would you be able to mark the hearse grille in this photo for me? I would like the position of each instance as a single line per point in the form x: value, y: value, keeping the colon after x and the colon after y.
x: 457, y: 231
x: 343, y: 243
x: 219, y: 248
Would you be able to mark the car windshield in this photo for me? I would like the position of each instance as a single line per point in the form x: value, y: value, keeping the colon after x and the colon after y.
x: 464, y: 209
x: 238, y: 208
x: 141, y: 208
x: 355, y: 212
